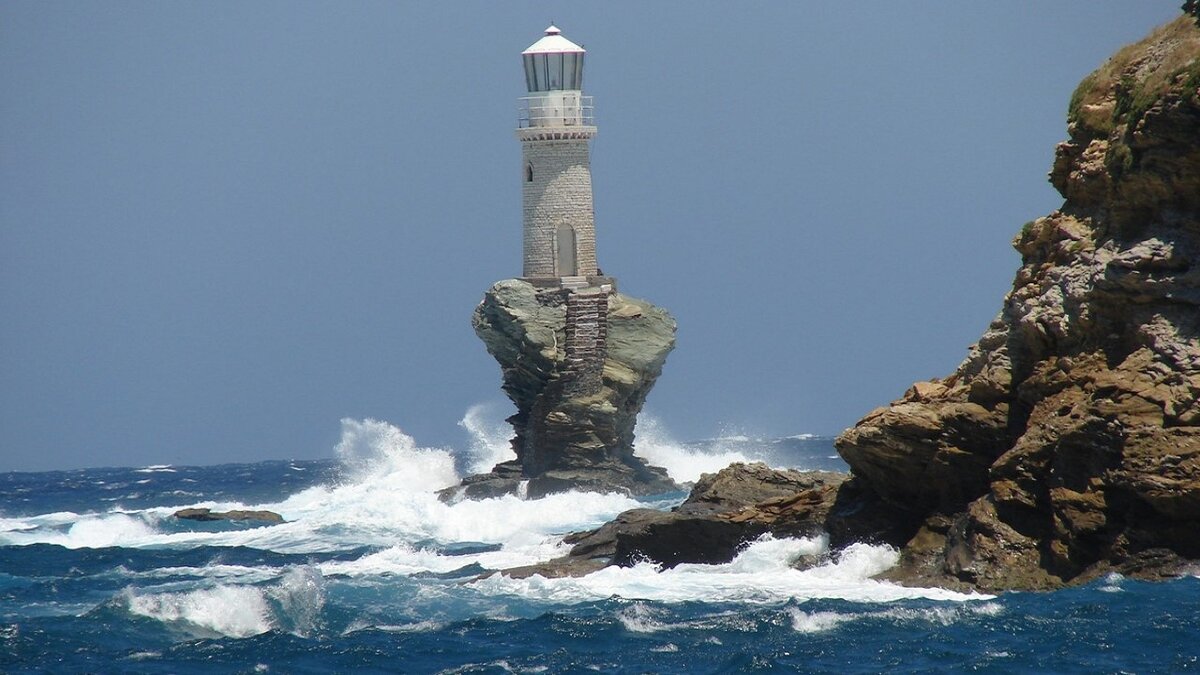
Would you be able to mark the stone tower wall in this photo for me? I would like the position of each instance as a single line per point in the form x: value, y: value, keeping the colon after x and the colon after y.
x: 560, y: 193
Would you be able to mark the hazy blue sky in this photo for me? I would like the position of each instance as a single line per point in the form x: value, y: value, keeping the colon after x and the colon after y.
x: 226, y: 225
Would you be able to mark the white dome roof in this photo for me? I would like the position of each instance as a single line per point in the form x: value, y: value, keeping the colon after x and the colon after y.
x: 553, y: 43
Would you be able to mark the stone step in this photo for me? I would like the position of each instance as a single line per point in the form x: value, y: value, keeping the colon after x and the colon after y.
x: 587, y: 330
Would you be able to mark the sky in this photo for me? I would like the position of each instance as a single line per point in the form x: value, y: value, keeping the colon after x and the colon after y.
x: 225, y: 226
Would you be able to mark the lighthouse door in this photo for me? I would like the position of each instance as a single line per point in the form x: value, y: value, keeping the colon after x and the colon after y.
x: 565, y: 239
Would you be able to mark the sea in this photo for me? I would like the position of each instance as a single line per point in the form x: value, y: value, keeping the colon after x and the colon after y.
x: 371, y: 573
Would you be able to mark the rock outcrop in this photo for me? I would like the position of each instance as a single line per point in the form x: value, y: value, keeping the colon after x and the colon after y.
x: 724, y: 512
x: 1067, y: 444
x: 578, y: 364
x: 208, y: 515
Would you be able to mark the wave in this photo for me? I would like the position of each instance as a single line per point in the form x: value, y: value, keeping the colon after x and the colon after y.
x: 490, y: 438
x: 819, y: 622
x: 762, y: 572
x: 374, y: 451
x: 384, y: 498
x: 292, y: 605
x: 71, y: 530
x: 156, y: 468
x: 683, y: 463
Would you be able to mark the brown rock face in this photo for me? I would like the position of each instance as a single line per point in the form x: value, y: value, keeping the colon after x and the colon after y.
x: 1067, y: 444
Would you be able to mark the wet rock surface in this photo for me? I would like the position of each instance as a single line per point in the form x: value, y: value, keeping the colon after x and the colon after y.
x: 208, y: 515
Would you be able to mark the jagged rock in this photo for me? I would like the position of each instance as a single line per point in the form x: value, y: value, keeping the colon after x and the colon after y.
x: 1067, y: 444
x: 575, y: 416
x: 504, y: 479
x: 206, y: 515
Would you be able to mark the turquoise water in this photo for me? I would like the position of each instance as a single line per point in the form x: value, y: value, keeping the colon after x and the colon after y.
x: 371, y: 573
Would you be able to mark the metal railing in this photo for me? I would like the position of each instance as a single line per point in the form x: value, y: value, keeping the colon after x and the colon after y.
x: 555, y: 109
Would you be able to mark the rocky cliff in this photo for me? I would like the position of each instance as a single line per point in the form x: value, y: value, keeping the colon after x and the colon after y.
x: 1067, y: 444
x: 578, y: 364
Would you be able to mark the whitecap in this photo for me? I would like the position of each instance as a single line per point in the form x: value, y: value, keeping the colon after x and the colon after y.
x: 817, y: 622
x: 156, y: 468
x: 641, y: 618
x: 941, y: 616
x: 232, y: 611
x: 293, y: 604
x: 116, y: 529
x: 427, y: 626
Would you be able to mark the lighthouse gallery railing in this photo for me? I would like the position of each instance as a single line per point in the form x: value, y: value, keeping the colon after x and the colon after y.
x: 555, y: 109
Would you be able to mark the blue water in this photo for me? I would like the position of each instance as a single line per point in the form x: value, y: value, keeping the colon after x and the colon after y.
x: 372, y: 574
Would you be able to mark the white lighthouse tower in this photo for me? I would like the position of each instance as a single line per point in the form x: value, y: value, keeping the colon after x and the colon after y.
x: 554, y: 127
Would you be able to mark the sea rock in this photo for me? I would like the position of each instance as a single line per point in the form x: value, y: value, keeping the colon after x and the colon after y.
x: 1067, y: 444
x: 724, y: 512
x: 206, y: 515
x: 577, y: 389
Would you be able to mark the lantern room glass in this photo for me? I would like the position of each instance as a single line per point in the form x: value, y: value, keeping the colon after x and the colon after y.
x: 554, y: 71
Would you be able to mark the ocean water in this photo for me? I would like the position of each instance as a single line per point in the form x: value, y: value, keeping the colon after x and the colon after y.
x: 371, y: 573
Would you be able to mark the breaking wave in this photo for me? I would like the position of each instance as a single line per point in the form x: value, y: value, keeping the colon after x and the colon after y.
x: 292, y: 605
x: 683, y: 463
x: 761, y: 573
x: 377, y: 534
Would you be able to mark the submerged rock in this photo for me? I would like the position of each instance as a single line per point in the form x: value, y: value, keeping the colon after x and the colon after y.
x: 578, y: 364
x: 205, y: 515
x: 1067, y: 444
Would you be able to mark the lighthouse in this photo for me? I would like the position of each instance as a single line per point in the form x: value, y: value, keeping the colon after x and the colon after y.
x: 554, y: 127
x: 577, y: 400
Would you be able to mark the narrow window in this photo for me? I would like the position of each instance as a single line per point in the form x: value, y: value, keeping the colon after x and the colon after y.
x: 528, y: 173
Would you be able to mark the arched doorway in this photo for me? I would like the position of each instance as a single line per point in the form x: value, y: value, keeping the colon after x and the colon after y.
x: 565, y: 243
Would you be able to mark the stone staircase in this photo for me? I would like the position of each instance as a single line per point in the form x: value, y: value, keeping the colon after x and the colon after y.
x: 587, y: 332
x: 574, y: 283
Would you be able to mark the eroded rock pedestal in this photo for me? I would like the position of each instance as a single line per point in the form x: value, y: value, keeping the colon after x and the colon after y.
x: 1067, y: 444
x: 578, y: 364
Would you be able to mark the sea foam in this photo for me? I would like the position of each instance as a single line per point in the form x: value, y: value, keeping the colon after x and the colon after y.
x: 761, y: 573
x: 490, y: 438
x: 384, y: 498
x: 684, y: 464
x: 232, y: 611
x: 293, y: 605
